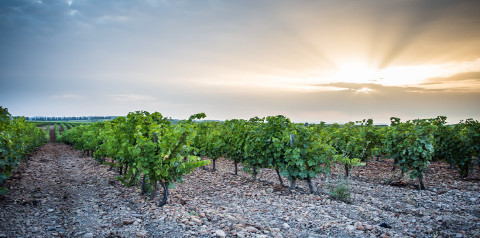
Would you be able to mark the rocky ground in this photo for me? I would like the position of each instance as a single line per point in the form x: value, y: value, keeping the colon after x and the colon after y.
x: 60, y: 192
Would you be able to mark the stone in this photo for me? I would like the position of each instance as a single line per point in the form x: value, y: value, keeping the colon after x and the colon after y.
x: 220, y: 233
x: 240, y: 234
x: 251, y: 229
x: 141, y: 234
x: 385, y: 225
x: 359, y: 226
x: 369, y: 227
x: 128, y: 221
x: 88, y: 235
x: 286, y: 226
x: 350, y: 227
x: 239, y: 226
x: 275, y: 229
x: 196, y: 220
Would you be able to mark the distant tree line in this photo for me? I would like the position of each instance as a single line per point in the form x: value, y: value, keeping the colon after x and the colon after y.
x: 82, y: 118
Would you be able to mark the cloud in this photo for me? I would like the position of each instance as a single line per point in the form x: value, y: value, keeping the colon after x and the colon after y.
x: 105, y: 50
x: 467, y: 76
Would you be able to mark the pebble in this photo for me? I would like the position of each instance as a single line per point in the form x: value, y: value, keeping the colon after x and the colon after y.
x: 141, y: 234
x: 275, y: 229
x: 220, y: 233
x: 286, y: 226
x: 88, y: 235
x: 359, y: 226
x: 350, y: 227
x: 128, y: 221
x: 196, y: 220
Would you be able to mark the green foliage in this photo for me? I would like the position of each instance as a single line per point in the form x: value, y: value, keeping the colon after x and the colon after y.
x: 56, y: 130
x: 143, y: 143
x: 411, y: 143
x: 18, y: 138
x: 47, y: 133
x: 457, y: 144
x: 234, y: 136
x: 341, y: 191
x: 274, y: 135
x: 252, y: 145
x: 468, y: 137
x: 309, y: 155
x: 356, y: 143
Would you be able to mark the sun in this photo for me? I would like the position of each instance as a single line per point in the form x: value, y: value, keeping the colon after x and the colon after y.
x: 365, y: 90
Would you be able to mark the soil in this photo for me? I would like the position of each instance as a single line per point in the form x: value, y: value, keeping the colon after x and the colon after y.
x: 59, y: 192
x: 52, y: 135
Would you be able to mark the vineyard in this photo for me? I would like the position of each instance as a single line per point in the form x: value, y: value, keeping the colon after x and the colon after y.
x: 396, y: 180
x: 149, y: 148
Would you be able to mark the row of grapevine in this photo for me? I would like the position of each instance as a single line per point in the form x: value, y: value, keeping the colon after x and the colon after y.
x: 301, y: 152
x: 458, y: 144
x: 47, y: 133
x: 144, y: 147
x: 18, y: 138
x: 297, y: 151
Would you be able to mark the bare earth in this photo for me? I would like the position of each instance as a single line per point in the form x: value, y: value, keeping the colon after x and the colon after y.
x: 60, y: 192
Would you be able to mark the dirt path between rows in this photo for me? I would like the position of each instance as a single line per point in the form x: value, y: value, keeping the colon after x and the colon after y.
x: 52, y: 135
x: 59, y: 192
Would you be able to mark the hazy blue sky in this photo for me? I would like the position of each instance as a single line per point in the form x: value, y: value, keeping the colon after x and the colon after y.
x: 309, y: 60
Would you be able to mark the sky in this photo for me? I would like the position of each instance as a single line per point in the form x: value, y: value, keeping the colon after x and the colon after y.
x: 312, y: 61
